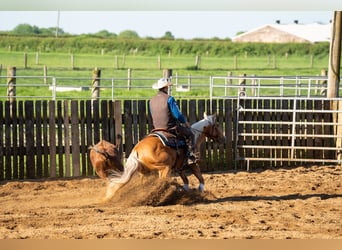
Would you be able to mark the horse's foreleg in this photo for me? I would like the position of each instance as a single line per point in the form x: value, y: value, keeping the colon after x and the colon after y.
x: 185, y: 180
x: 197, y: 172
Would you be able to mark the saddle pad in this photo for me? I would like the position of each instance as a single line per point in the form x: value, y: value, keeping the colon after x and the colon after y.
x: 170, y: 141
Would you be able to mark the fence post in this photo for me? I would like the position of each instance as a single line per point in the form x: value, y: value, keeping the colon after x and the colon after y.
x: 25, y: 60
x: 45, y: 74
x: 37, y: 57
x: 159, y: 62
x: 72, y: 58
x: 116, y: 62
x: 95, y: 91
x: 11, y: 83
x: 197, y: 62
x: 129, y: 74
x: 324, y: 83
x: 167, y: 73
x: 228, y: 83
x: 338, y: 129
x: 118, y: 124
x: 189, y: 81
x: 52, y: 138
x: 242, y: 82
x: 75, y: 138
x: 335, y: 56
x: 30, y: 140
x: 254, y: 83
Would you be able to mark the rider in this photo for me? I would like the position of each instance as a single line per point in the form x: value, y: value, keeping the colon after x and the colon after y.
x: 166, y: 115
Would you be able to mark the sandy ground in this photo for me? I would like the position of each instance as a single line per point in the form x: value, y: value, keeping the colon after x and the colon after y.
x: 299, y: 203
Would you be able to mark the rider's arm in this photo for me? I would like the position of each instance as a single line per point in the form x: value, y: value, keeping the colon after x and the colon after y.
x: 175, y: 110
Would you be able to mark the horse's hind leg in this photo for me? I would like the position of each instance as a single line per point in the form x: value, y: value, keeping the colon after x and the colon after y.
x: 165, y: 172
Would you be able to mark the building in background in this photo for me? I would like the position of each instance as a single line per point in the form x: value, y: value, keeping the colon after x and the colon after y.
x: 287, y: 33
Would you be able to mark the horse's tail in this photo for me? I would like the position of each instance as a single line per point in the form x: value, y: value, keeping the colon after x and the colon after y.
x: 119, y: 179
x: 131, y: 166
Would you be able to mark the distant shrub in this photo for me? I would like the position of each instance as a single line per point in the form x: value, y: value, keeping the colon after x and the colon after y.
x: 124, y: 45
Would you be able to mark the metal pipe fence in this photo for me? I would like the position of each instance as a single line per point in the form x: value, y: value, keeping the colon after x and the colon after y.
x: 53, y: 87
x: 294, y: 129
x: 59, y: 88
x: 302, y: 86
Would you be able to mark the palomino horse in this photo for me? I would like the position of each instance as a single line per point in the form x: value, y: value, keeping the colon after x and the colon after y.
x: 150, y: 154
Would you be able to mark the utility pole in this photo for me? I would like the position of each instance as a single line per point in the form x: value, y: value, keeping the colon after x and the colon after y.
x: 334, y: 77
x: 57, y: 27
x: 335, y: 56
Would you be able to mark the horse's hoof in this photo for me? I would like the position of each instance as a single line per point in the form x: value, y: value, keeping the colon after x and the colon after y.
x: 201, y: 188
x: 186, y: 188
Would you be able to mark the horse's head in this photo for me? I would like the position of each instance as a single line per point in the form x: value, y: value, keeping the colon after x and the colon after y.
x: 105, y: 158
x: 212, y: 130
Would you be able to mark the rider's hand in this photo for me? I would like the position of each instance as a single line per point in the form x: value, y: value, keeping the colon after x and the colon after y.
x: 187, y: 124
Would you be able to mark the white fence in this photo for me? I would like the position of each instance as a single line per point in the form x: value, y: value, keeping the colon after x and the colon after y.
x: 188, y: 86
x: 303, y: 86
x: 51, y: 87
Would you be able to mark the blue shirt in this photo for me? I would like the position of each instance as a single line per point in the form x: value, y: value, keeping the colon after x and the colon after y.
x: 175, y: 109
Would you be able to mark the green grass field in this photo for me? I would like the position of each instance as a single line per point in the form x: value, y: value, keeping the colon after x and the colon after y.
x: 144, y: 71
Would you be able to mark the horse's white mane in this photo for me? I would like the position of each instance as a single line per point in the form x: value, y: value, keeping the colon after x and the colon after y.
x: 197, y: 127
x: 202, y: 123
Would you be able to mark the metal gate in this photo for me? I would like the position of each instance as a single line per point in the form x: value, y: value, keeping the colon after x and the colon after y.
x: 280, y: 131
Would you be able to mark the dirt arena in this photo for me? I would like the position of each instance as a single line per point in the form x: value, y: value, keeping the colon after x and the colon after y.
x: 298, y: 203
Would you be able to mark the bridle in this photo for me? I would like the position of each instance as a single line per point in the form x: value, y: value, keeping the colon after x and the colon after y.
x: 102, y: 152
x: 208, y: 134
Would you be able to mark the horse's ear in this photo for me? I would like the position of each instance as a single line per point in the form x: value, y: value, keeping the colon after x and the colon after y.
x: 213, y: 117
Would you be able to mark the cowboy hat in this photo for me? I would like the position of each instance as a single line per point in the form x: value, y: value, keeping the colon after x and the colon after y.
x: 163, y: 82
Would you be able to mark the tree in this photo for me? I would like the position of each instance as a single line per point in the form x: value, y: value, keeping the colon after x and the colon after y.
x: 130, y: 34
x: 168, y: 36
x: 51, y: 31
x: 105, y: 33
x: 25, y: 29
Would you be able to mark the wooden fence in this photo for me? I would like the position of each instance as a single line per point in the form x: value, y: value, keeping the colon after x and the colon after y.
x: 43, y: 139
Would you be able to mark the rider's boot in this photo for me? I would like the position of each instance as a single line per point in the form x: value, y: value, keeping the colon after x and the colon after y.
x: 192, y: 156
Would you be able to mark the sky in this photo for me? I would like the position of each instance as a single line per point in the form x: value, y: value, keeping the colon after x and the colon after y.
x: 182, y: 24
